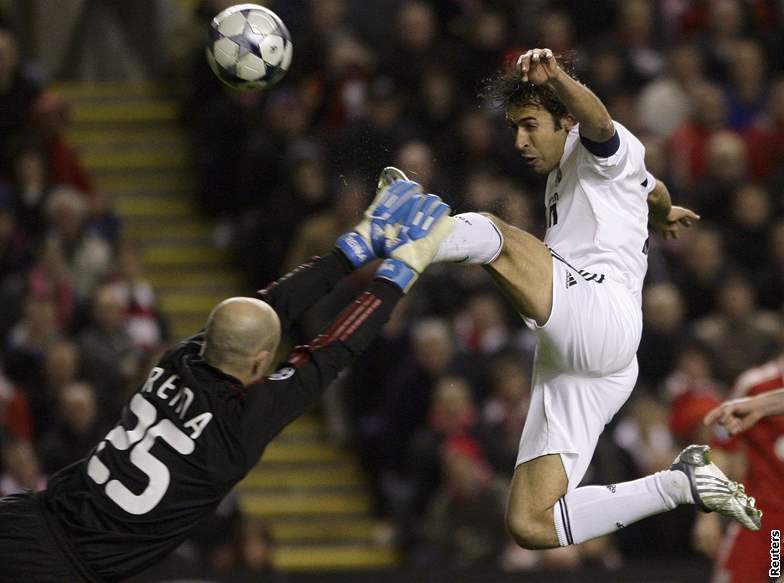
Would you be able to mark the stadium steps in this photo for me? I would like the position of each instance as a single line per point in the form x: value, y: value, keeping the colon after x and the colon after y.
x: 311, y: 493
x: 315, y: 499
x: 149, y: 183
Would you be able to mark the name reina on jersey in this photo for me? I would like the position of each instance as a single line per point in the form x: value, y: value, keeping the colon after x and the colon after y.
x: 181, y: 400
x: 142, y: 438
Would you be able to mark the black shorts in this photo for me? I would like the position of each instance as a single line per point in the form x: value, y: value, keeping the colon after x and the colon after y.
x: 27, y: 551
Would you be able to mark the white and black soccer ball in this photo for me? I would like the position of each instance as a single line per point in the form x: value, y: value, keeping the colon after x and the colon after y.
x: 250, y: 48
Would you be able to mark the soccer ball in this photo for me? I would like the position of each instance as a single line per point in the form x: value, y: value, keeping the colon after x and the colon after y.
x: 250, y: 48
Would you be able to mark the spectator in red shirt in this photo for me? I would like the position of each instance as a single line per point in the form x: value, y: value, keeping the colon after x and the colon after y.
x: 15, y: 420
x: 142, y: 320
x: 452, y: 413
x: 688, y: 144
x: 49, y: 278
x: 463, y: 524
x: 765, y: 139
x: 50, y: 115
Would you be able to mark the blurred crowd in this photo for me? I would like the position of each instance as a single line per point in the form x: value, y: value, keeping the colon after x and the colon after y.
x: 436, y: 407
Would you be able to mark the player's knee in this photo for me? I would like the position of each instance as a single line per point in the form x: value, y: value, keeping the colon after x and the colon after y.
x: 491, y: 216
x: 517, y: 242
x: 528, y: 529
x: 504, y: 228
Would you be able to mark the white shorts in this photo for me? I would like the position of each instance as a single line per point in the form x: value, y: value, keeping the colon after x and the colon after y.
x: 585, y: 367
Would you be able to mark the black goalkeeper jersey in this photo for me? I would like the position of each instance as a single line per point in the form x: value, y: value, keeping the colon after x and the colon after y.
x: 191, y: 432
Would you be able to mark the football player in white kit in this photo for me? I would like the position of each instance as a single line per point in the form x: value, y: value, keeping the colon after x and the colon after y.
x: 580, y: 290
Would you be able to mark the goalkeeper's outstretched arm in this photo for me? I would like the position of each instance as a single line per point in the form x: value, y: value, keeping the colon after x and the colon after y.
x: 299, y: 289
x: 283, y: 396
x: 302, y: 287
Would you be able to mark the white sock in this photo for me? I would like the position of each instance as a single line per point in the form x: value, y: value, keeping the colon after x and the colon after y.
x: 475, y: 239
x: 591, y: 511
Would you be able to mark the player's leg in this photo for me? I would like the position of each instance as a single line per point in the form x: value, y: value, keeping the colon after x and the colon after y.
x: 567, y: 413
x: 524, y: 271
x: 542, y: 514
x: 538, y: 518
x: 592, y: 511
x: 519, y: 262
x: 537, y: 485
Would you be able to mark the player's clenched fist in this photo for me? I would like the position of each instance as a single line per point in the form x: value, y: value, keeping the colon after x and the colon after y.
x: 538, y: 66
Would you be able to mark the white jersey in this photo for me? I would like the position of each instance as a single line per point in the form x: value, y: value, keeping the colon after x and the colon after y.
x: 597, y: 211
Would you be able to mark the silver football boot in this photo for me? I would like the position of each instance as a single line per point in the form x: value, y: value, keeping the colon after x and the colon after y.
x: 388, y: 176
x: 713, y: 491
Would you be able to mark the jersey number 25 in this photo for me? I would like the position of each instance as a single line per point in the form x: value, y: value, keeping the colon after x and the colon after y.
x: 140, y: 439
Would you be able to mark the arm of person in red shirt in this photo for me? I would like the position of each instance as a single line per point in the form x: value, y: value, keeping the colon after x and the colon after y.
x: 738, y: 415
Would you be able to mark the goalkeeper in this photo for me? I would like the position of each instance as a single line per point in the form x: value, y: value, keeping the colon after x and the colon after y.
x: 207, y: 411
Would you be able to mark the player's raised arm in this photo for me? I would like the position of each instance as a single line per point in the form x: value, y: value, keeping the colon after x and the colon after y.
x: 540, y: 67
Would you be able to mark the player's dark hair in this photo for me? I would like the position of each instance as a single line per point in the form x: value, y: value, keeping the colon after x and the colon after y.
x: 506, y: 89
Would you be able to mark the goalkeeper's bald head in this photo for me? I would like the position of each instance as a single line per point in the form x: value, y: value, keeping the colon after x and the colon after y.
x: 242, y: 336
